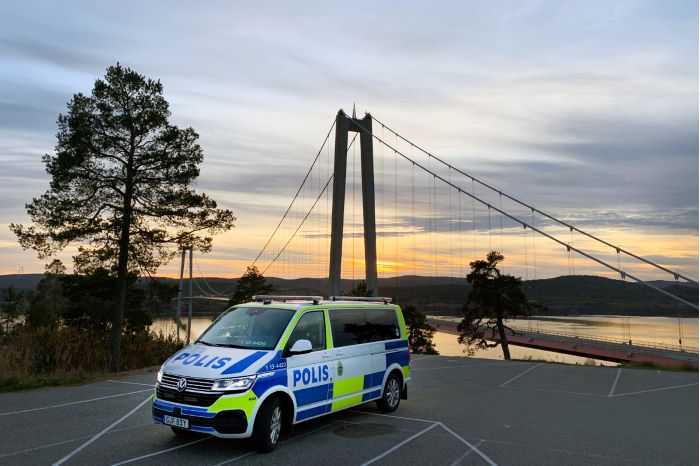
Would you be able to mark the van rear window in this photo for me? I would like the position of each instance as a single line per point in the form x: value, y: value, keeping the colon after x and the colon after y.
x: 357, y: 326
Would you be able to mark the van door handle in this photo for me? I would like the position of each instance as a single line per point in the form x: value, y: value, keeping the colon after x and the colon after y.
x: 338, y: 353
x: 325, y: 355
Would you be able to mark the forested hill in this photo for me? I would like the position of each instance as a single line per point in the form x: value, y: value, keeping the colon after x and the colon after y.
x: 566, y: 295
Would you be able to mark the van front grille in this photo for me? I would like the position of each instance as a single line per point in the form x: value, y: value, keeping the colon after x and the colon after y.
x: 194, y: 384
x: 186, y: 397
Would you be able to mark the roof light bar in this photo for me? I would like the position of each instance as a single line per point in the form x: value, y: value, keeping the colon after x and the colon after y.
x: 284, y: 298
x: 364, y: 299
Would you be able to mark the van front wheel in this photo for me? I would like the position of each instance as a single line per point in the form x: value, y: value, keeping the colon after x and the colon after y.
x: 392, y: 394
x: 268, y: 425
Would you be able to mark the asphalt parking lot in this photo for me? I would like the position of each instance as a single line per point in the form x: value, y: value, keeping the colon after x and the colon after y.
x: 460, y: 411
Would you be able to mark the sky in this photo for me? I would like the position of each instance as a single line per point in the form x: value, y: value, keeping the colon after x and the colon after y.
x: 586, y: 110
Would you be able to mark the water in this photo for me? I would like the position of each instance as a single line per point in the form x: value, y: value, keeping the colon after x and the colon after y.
x: 641, y: 330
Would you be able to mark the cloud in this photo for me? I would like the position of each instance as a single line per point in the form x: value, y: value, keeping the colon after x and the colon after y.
x: 587, y: 110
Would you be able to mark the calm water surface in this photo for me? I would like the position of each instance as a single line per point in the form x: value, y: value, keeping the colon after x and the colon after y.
x: 641, y: 329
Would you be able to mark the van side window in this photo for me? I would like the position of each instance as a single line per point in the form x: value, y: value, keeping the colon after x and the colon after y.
x: 357, y: 326
x: 310, y: 327
x: 384, y: 324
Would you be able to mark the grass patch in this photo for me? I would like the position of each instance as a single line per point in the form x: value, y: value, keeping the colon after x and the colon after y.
x: 11, y: 384
x: 66, y: 355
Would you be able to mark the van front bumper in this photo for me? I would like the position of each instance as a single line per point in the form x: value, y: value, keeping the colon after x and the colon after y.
x: 224, y: 423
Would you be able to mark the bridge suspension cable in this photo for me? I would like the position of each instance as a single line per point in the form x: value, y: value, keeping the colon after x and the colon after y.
x: 571, y: 227
x: 320, y: 194
x: 524, y: 223
x: 300, y: 225
x: 325, y: 141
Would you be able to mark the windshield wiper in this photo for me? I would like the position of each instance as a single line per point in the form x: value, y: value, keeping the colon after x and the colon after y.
x: 223, y: 345
x: 233, y: 346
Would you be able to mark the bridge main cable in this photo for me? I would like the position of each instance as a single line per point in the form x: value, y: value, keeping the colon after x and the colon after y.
x: 526, y: 225
x: 676, y: 275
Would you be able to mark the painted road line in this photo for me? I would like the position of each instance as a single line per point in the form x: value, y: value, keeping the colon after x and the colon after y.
x: 160, y: 452
x: 454, y: 366
x: 63, y: 442
x: 132, y: 383
x: 245, y: 455
x: 617, y: 377
x: 74, y: 403
x: 656, y: 389
x: 473, y: 447
x: 101, y: 433
x: 467, y: 453
x: 399, y: 445
x: 520, y: 375
x: 389, y: 415
x: 566, y: 392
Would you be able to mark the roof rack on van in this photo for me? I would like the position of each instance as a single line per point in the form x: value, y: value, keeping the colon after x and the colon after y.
x: 364, y: 299
x: 267, y: 299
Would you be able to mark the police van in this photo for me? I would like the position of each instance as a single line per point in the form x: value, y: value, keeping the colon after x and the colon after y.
x: 264, y: 366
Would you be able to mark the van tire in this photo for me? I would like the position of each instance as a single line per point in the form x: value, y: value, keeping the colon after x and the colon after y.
x: 391, y: 395
x: 268, y: 425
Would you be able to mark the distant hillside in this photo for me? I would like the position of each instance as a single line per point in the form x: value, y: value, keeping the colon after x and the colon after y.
x: 566, y: 295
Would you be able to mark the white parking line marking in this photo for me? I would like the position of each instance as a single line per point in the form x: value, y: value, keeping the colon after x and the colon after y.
x: 418, y: 359
x: 389, y: 415
x: 520, y: 375
x: 466, y: 453
x: 73, y: 403
x: 132, y: 383
x: 475, y: 366
x: 476, y: 450
x: 56, y: 444
x: 617, y: 377
x: 236, y: 458
x: 453, y: 433
x: 557, y: 391
x: 160, y: 452
x: 101, y: 433
x: 656, y: 389
x: 399, y: 445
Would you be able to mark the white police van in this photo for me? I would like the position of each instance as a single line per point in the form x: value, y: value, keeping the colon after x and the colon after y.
x: 263, y: 366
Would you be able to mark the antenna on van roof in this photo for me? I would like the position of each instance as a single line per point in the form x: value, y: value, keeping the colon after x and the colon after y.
x: 364, y: 299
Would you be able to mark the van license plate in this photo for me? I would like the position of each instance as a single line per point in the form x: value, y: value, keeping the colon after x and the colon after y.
x: 176, y: 422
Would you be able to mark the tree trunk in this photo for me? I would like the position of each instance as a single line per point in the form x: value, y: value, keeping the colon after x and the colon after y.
x: 120, y: 302
x: 504, y: 340
x: 122, y: 271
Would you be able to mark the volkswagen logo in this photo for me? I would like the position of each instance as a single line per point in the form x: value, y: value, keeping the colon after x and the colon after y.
x: 181, y: 384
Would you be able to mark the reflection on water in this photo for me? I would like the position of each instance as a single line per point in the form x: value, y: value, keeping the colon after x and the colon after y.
x: 641, y: 329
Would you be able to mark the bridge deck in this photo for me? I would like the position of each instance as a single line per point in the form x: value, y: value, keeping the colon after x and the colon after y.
x: 591, y: 348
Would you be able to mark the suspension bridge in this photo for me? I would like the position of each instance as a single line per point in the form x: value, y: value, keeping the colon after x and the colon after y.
x: 399, y: 209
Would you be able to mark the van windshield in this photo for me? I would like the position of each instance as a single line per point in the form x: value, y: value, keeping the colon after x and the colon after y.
x: 248, y: 327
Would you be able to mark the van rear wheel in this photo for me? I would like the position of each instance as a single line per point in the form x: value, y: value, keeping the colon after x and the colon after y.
x: 268, y: 425
x: 391, y: 397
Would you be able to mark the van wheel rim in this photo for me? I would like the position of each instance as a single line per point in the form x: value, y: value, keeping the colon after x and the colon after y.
x: 393, y: 393
x: 275, y: 425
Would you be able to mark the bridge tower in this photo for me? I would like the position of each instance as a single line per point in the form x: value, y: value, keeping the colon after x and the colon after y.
x: 343, y: 125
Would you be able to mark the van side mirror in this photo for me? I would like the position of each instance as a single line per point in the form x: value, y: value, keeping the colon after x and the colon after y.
x: 300, y: 347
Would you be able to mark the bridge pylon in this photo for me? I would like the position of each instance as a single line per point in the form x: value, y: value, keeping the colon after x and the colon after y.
x: 343, y: 125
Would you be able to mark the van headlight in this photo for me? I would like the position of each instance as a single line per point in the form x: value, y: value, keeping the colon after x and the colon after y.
x: 234, y: 385
x: 159, y: 376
